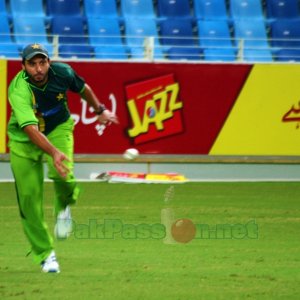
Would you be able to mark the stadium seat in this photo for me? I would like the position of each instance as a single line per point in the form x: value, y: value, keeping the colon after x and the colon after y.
x: 241, y: 9
x: 136, y: 31
x: 284, y: 9
x: 69, y: 29
x: 219, y: 54
x: 287, y: 55
x: 3, y: 11
x: 30, y: 30
x: 32, y: 8
x: 137, y: 9
x: 184, y: 53
x: 177, y: 32
x: 214, y: 34
x: 104, y: 31
x: 111, y: 52
x: 257, y: 55
x: 215, y: 39
x: 9, y: 50
x: 100, y: 8
x: 210, y: 9
x: 5, y: 34
x: 63, y: 7
x: 76, y: 51
x: 253, y: 34
x: 174, y: 9
x: 255, y: 40
x: 285, y: 33
x: 105, y: 36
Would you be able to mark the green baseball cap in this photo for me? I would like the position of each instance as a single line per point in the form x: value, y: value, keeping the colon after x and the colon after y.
x: 32, y: 50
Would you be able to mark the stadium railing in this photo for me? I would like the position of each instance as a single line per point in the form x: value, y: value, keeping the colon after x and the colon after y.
x: 153, y: 51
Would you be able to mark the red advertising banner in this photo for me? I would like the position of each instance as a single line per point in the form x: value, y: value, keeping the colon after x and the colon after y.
x: 163, y: 108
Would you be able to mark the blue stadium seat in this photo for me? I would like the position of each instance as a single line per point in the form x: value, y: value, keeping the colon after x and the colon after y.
x: 285, y: 33
x: 215, y: 38
x: 184, y: 53
x: 63, y: 7
x: 111, y: 52
x: 252, y: 33
x: 214, y: 34
x: 285, y: 9
x: 256, y: 55
x: 30, y: 30
x: 287, y: 55
x: 33, y: 8
x: 174, y: 9
x: 177, y: 32
x: 9, y: 50
x: 76, y: 51
x: 137, y: 9
x: 210, y: 9
x: 219, y: 54
x: 100, y: 8
x: 104, y: 31
x: 136, y: 30
x: 105, y: 36
x: 255, y: 40
x: 3, y: 11
x: 69, y: 29
x: 241, y: 9
x: 5, y: 34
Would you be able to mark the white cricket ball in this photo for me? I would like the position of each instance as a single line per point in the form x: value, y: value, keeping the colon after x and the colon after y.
x: 131, y: 154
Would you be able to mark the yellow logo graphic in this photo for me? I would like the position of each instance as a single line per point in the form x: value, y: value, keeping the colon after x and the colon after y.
x: 156, y: 110
x: 35, y: 46
x: 293, y: 115
x: 60, y: 96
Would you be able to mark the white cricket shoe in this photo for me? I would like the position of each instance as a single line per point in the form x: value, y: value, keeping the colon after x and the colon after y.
x: 64, y: 224
x: 50, y: 264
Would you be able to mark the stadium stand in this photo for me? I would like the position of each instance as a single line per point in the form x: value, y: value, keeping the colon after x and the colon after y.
x: 137, y: 9
x: 177, y: 32
x: 285, y: 39
x: 210, y: 10
x: 136, y: 33
x: 75, y: 51
x: 174, y: 9
x: 5, y: 34
x: 71, y: 29
x: 23, y: 8
x: 100, y: 9
x: 254, y: 39
x: 9, y: 50
x: 105, y: 36
x: 282, y: 9
x: 184, y: 53
x: 3, y: 10
x: 246, y: 9
x: 216, y: 40
x: 30, y: 30
x: 178, y: 28
x: 63, y: 8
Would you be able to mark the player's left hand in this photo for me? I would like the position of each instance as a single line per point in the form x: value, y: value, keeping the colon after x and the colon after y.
x: 107, y: 117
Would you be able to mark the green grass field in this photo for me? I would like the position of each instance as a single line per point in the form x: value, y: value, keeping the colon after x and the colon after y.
x: 129, y: 264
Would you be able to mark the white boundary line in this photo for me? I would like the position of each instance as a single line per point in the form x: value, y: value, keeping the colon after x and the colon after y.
x: 189, y: 180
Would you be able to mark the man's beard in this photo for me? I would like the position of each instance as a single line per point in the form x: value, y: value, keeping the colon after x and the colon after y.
x: 38, y: 78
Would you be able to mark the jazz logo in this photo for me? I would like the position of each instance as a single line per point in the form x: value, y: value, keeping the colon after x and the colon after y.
x: 154, y: 108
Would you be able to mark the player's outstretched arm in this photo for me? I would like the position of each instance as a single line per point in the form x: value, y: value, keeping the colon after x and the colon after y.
x: 106, y: 115
x: 42, y: 142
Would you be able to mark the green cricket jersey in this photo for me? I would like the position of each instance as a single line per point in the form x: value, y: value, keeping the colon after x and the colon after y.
x: 43, y: 106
